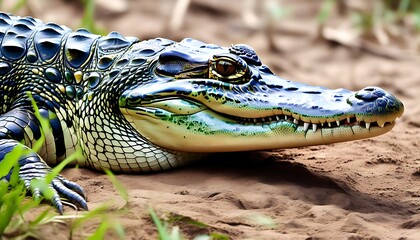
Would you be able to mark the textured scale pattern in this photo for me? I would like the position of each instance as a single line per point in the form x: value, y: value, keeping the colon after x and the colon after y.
x: 62, y: 69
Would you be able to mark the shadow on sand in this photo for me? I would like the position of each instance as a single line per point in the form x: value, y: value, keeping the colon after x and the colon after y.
x: 274, y: 170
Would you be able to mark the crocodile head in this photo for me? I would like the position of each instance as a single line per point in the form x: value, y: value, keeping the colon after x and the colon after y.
x: 205, y: 98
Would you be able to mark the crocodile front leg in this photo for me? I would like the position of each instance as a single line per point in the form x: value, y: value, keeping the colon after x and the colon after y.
x: 19, y: 127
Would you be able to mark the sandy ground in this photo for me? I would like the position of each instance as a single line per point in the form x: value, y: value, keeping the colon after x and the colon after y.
x: 368, y: 189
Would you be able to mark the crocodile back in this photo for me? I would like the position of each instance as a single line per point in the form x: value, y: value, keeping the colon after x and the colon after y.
x: 58, y: 67
x: 42, y: 57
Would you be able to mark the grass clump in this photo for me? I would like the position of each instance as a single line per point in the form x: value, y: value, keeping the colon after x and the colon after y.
x: 169, y: 229
x: 389, y: 18
x: 15, y: 207
x: 16, y: 222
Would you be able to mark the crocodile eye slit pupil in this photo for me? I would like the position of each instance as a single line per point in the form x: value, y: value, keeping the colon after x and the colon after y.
x: 225, y: 68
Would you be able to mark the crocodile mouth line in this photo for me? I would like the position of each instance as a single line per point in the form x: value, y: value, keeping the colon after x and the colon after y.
x: 319, y: 123
x: 329, y: 123
x: 280, y: 115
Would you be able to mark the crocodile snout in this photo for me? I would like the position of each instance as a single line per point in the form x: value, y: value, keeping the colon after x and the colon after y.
x: 375, y: 101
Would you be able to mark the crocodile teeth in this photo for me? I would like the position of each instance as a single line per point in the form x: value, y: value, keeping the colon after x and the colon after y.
x: 314, y: 127
x: 353, y: 121
x: 305, y: 126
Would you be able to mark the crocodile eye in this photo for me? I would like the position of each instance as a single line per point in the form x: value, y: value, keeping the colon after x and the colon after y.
x: 228, y: 67
x: 225, y: 68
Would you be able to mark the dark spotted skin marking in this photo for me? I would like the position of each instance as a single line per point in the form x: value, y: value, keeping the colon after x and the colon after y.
x: 53, y: 75
x: 93, y: 79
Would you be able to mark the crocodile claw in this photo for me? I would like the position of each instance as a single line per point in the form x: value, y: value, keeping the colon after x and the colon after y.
x: 70, y: 190
x: 32, y: 168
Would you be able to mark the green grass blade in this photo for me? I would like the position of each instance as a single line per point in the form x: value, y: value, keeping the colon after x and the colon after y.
x: 41, y: 217
x: 163, y: 234
x: 416, y: 18
x: 177, y: 218
x: 45, y: 125
x: 100, y: 231
x: 117, y: 184
x: 325, y: 11
x: 19, y: 4
x: 88, y: 20
x: 119, y: 229
x: 403, y: 7
x: 4, y: 187
x: 14, y: 178
x: 10, y: 160
x: 91, y: 214
x: 219, y: 236
x: 57, y: 169
x: 10, y: 205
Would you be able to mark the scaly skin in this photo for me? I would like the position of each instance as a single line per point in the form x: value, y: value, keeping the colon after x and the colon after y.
x: 133, y: 106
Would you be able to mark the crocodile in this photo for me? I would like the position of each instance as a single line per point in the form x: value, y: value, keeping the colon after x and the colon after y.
x: 136, y: 106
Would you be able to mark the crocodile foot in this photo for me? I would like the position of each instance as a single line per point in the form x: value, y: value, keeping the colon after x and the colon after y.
x: 33, y: 168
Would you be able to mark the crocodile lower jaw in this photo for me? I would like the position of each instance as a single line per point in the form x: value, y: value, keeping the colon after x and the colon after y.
x: 209, y: 131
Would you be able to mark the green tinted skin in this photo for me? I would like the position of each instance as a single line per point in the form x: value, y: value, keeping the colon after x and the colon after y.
x: 212, y: 99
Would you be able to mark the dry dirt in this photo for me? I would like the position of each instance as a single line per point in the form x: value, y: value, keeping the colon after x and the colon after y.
x: 368, y: 189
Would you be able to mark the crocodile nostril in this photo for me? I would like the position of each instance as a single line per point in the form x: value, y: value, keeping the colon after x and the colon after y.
x: 370, y: 94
